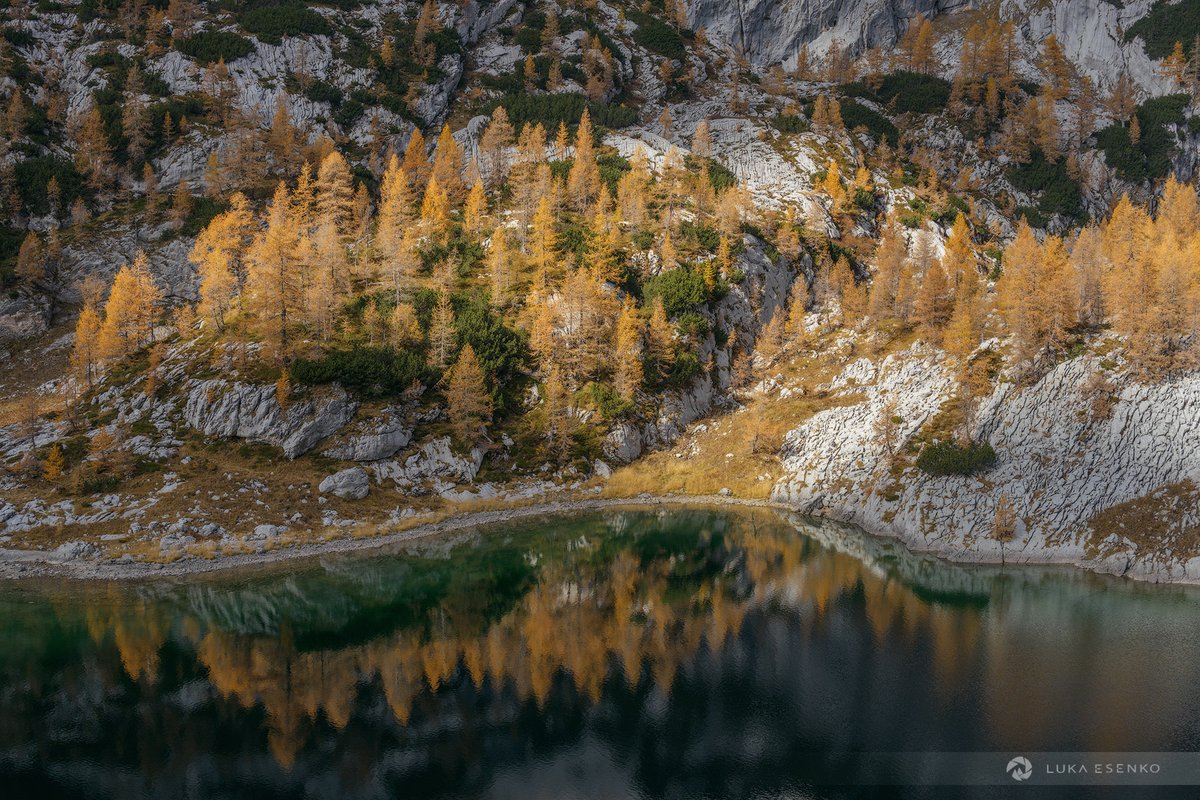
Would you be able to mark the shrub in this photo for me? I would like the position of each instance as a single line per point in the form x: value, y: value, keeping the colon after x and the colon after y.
x: 322, y: 92
x: 188, y: 105
x: 681, y: 290
x: 348, y: 113
x: 856, y: 115
x: 790, y: 123
x: 203, y: 211
x: 502, y: 352
x: 1151, y: 156
x: 271, y: 23
x: 951, y: 458
x: 18, y: 37
x: 567, y: 108
x: 530, y: 39
x: 10, y: 245
x: 906, y: 92
x: 612, y: 116
x: 369, y: 371
x: 1168, y: 22
x: 548, y: 109
x: 1059, y: 192
x: 719, y: 176
x: 612, y: 166
x: 33, y: 174
x: 210, y: 46
x: 692, y: 324
x: 654, y: 34
x: 446, y: 42
x: 686, y: 367
x: 705, y: 236
x: 605, y: 399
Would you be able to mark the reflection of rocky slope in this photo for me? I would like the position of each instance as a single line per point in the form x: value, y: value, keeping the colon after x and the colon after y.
x: 1064, y: 457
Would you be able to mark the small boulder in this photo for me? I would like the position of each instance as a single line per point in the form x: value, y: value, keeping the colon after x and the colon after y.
x: 349, y: 484
x: 265, y: 532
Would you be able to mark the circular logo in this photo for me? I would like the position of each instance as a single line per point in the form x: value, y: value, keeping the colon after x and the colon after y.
x: 1019, y: 768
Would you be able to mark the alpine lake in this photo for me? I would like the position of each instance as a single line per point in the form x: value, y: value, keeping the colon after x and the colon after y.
x: 687, y: 653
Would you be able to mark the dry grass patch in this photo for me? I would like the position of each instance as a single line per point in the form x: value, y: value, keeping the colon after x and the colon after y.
x: 737, y: 451
x: 1157, y: 524
x: 31, y: 363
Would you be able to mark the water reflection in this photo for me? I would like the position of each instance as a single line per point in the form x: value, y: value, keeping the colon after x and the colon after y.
x: 688, y: 654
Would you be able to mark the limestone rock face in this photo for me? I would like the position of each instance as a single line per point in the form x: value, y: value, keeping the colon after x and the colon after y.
x: 435, y: 460
x: 349, y: 484
x: 623, y: 443
x: 250, y: 411
x: 104, y: 255
x: 1062, y: 459
x: 772, y: 31
x: 23, y: 316
x: 376, y: 437
x: 1090, y: 31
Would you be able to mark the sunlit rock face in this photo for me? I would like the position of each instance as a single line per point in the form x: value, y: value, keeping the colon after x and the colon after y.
x: 1091, y: 32
x: 1064, y: 460
x: 773, y: 31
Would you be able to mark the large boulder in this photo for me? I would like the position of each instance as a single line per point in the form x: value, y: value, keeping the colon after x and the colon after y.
x: 218, y: 408
x: 349, y: 484
x: 623, y: 443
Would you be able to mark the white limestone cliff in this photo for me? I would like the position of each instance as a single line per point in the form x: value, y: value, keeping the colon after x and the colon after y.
x: 1068, y: 448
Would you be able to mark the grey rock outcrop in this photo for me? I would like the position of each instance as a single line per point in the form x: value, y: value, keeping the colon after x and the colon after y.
x: 1062, y: 459
x: 773, y: 31
x: 349, y: 484
x: 623, y: 443
x: 433, y: 460
x: 23, y: 316
x: 250, y: 411
x: 73, y: 551
x: 1092, y: 32
x: 375, y: 437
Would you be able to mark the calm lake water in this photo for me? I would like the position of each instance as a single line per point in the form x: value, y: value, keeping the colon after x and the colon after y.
x: 688, y: 654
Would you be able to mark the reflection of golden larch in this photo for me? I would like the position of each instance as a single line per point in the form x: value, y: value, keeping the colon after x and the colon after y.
x: 473, y: 660
x: 438, y: 660
x: 955, y: 641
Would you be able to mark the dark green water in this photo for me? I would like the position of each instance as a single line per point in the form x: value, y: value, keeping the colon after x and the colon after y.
x: 692, y: 654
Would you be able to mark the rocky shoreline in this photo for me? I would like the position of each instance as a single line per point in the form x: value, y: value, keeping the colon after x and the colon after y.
x: 18, y: 565
x: 28, y: 564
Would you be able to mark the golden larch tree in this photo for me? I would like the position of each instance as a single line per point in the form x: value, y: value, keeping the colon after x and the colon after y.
x: 448, y: 167
x: 416, y: 160
x: 85, y: 353
x: 627, y: 356
x: 273, y: 283
x: 131, y: 309
x: 583, y: 181
x: 660, y: 339
x: 469, y: 404
x: 335, y: 194
x: 218, y: 254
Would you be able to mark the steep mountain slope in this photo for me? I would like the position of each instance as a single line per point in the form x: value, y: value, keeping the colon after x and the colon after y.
x: 715, y: 250
x: 1095, y: 34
